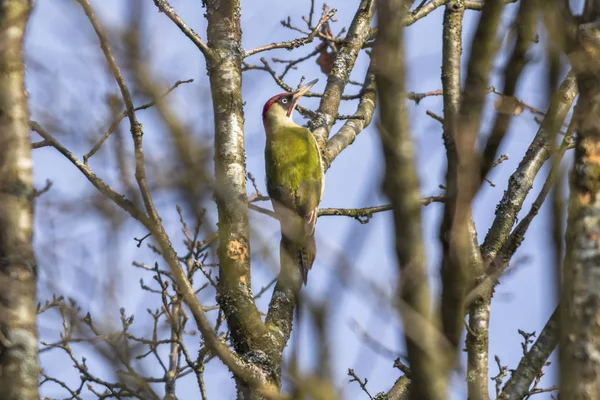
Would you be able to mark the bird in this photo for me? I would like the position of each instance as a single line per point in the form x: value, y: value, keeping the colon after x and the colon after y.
x: 295, y: 180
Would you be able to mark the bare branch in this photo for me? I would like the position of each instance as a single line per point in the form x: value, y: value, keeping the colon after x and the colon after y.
x: 293, y: 44
x: 40, y: 144
x: 502, y: 373
x: 478, y: 5
x: 400, y: 390
x: 468, y: 181
x: 135, y: 126
x: 423, y: 11
x: 119, y: 199
x: 471, y: 106
x: 279, y: 81
x: 245, y: 371
x: 402, y: 187
x: 358, y: 33
x: 517, y: 386
x: 516, y: 237
x: 115, y: 123
x: 363, y: 385
x: 477, y: 343
x: 521, y: 180
x: 454, y: 234
x: 350, y: 130
x: 525, y: 25
x: 248, y: 373
x: 166, y: 8
x: 110, y: 59
x: 364, y: 215
x: 292, y: 64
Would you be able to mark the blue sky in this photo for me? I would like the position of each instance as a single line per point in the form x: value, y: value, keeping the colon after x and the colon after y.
x: 83, y: 256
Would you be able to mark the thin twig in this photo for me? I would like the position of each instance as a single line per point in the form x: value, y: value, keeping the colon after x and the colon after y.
x: 363, y: 215
x: 502, y: 373
x: 363, y: 385
x: 167, y: 9
x: 106, y: 190
x: 40, y: 144
x: 417, y: 97
x: 372, y: 342
x: 292, y: 44
x: 435, y: 116
x: 116, y: 122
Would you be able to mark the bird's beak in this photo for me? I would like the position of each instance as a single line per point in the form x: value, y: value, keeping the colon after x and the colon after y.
x: 301, y: 91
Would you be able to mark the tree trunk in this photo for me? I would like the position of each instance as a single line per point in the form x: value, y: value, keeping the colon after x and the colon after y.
x: 580, y: 315
x: 249, y: 336
x: 18, y: 338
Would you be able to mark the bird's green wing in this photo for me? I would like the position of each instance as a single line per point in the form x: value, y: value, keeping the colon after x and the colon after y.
x: 310, y: 189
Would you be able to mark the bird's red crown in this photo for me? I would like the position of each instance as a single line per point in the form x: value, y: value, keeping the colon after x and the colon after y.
x: 270, y: 102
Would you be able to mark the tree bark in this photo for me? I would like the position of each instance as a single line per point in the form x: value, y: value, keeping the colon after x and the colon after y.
x: 532, y: 363
x: 19, y: 368
x: 521, y: 181
x: 250, y: 337
x: 580, y: 315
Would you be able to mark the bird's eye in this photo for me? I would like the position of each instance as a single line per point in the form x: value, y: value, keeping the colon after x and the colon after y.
x: 284, y: 101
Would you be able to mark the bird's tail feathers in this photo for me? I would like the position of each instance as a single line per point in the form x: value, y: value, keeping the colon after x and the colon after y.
x: 298, y: 255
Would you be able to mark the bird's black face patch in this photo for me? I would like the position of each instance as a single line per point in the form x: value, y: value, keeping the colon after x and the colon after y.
x: 286, y: 101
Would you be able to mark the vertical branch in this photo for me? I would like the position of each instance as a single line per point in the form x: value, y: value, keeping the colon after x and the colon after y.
x: 454, y: 273
x: 477, y: 343
x: 462, y: 182
x: 18, y: 335
x: 524, y: 24
x: 358, y: 32
x: 591, y: 10
x: 483, y: 50
x: 176, y: 333
x: 224, y: 33
x: 461, y: 261
x: 479, y: 310
x: 580, y: 309
x: 248, y: 333
x: 521, y: 181
x: 402, y: 187
x: 348, y: 132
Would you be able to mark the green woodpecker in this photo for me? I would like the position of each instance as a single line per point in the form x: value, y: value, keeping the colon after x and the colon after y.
x: 295, y: 179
